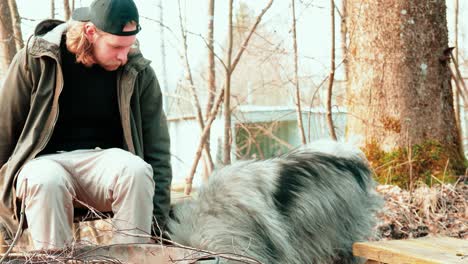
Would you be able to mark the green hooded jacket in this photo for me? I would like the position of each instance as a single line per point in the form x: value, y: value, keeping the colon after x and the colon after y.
x: 29, y: 109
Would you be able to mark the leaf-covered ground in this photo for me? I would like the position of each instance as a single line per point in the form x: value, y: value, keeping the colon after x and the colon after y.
x: 439, y: 210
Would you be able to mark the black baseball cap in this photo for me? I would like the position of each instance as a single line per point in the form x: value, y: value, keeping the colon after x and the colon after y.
x: 110, y: 16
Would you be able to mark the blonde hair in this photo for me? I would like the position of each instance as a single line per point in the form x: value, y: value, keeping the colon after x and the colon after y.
x: 78, y: 44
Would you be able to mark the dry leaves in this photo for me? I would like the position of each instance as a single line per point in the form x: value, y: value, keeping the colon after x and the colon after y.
x: 439, y: 210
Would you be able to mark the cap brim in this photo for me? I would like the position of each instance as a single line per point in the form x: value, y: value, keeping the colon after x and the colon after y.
x: 81, y: 14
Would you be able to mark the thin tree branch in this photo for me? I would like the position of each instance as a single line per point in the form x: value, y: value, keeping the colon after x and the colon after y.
x: 162, y: 45
x: 300, y: 125
x: 229, y: 70
x: 227, y: 93
x: 252, y: 30
x: 211, y: 77
x: 204, y: 135
x: 332, y: 73
x: 52, y: 9
x: 189, y: 77
x: 459, y: 75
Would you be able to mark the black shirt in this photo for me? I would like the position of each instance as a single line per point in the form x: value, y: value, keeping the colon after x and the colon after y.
x: 88, y: 108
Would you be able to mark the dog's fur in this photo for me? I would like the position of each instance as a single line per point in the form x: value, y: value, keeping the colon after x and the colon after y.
x: 307, y: 206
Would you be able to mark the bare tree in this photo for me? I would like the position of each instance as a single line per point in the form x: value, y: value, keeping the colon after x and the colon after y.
x: 195, y: 100
x: 331, y: 77
x: 66, y: 7
x: 344, y: 37
x: 221, y: 95
x: 162, y: 44
x: 211, y: 78
x: 7, y: 38
x: 52, y: 8
x: 16, y: 20
x: 227, y: 92
x: 300, y: 125
x: 211, y: 57
x: 229, y: 68
x: 203, y: 138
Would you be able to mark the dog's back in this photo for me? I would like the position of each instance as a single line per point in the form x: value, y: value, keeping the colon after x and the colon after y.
x: 307, y: 206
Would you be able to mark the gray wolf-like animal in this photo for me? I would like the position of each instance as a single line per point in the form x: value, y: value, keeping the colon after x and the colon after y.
x: 307, y: 206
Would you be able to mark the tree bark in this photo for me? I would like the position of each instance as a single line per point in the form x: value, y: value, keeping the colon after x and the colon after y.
x: 300, y: 126
x: 399, y: 90
x: 16, y: 21
x: 7, y: 38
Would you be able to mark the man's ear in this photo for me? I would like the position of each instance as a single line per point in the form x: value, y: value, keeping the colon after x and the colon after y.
x: 90, y: 32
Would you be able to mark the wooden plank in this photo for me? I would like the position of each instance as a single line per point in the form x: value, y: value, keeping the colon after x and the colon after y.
x: 429, y: 250
x: 373, y: 262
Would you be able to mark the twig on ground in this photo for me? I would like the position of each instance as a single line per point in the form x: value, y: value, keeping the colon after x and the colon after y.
x: 20, y: 226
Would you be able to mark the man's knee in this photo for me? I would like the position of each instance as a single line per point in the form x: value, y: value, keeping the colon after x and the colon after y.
x: 42, y: 175
x: 131, y: 168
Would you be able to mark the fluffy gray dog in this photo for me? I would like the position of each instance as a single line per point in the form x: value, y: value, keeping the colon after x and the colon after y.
x: 308, y: 206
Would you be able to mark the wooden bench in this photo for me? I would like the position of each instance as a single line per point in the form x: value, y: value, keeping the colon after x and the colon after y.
x: 427, y: 250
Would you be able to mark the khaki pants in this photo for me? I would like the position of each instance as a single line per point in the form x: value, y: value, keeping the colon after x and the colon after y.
x: 108, y: 180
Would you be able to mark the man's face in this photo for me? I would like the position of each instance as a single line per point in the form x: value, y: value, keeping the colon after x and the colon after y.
x: 110, y: 51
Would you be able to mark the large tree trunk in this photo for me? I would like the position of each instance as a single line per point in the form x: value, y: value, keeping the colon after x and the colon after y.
x: 399, y: 91
x: 7, y: 38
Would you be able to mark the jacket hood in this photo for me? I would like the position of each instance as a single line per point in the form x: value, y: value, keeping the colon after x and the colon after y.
x: 48, y: 35
x: 46, y: 26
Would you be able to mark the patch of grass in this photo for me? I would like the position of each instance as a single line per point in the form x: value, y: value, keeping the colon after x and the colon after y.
x: 429, y: 162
